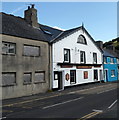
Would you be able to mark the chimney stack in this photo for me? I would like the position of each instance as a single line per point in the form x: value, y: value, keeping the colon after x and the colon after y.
x: 30, y: 15
x: 99, y: 44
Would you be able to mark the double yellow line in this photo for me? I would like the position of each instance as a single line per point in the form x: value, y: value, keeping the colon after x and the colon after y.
x: 89, y: 115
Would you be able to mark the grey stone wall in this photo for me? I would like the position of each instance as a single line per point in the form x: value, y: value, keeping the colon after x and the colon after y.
x: 20, y: 64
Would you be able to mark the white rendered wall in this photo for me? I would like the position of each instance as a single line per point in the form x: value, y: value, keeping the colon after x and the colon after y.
x: 70, y: 42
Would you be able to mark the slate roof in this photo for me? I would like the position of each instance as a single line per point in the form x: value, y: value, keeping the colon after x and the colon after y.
x: 110, y: 53
x: 16, y: 26
x: 50, y: 32
x: 107, y: 54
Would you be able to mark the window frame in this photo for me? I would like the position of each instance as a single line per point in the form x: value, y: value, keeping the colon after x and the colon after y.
x: 25, y: 83
x: 65, y: 49
x: 36, y: 82
x: 74, y: 77
x: 94, y: 55
x: 111, y: 60
x: 55, y: 73
x: 78, y: 40
x: 84, y: 57
x: 8, y: 53
x: 12, y: 84
x: 32, y: 46
x: 113, y: 71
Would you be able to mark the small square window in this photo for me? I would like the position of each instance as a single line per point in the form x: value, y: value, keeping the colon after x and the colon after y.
x: 39, y: 77
x: 27, y: 78
x: 8, y: 79
x: 8, y: 48
x: 112, y: 73
x: 111, y: 60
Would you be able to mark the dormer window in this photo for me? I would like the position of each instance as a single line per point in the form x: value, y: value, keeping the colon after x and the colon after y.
x: 82, y: 40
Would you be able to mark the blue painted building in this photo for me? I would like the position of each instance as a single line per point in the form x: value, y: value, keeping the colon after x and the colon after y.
x: 110, y: 67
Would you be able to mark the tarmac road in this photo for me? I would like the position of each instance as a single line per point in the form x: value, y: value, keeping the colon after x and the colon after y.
x: 79, y: 103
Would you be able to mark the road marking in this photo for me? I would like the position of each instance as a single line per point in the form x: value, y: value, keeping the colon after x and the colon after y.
x: 3, y: 111
x: 106, y: 91
x: 89, y: 115
x: 4, y: 117
x: 87, y: 89
x: 62, y: 103
x: 112, y: 104
x: 28, y: 101
x: 97, y: 110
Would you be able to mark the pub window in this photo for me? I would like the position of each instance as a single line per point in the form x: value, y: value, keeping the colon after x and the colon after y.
x: 55, y: 75
x: 27, y: 78
x: 82, y: 57
x: 73, y: 76
x: 31, y: 50
x: 81, y: 39
x: 8, y: 48
x: 112, y: 73
x: 94, y: 57
x: 39, y: 77
x: 67, y: 55
x: 8, y: 79
x: 85, y: 74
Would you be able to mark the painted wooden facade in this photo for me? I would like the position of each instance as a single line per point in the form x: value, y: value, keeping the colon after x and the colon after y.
x: 110, y: 67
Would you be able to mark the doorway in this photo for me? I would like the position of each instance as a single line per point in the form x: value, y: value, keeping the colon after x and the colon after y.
x: 72, y: 76
x: 106, y: 75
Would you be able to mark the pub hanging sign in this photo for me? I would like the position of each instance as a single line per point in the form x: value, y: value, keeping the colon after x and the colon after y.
x: 67, y: 76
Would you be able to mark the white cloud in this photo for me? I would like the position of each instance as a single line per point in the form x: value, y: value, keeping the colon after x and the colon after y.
x: 58, y: 28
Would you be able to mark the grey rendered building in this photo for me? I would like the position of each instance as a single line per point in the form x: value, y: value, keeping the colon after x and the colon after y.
x: 24, y: 56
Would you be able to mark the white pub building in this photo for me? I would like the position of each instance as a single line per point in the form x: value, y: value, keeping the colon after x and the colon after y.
x: 75, y: 59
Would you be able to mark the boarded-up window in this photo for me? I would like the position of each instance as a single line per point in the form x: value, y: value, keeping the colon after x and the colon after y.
x: 31, y: 50
x: 8, y: 79
x: 27, y: 78
x: 39, y: 77
x: 8, y: 48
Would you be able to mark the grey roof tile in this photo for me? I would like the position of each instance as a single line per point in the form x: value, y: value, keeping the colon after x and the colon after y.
x: 17, y: 26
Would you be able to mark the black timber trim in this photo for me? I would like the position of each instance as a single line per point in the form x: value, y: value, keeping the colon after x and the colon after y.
x: 79, y: 64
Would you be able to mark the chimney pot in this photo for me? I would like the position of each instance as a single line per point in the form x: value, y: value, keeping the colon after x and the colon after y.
x: 28, y: 7
x: 32, y: 5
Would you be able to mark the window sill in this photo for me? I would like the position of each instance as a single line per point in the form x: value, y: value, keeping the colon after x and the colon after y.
x: 30, y: 56
x: 39, y: 82
x: 28, y: 83
x: 9, y: 54
x: 8, y: 85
